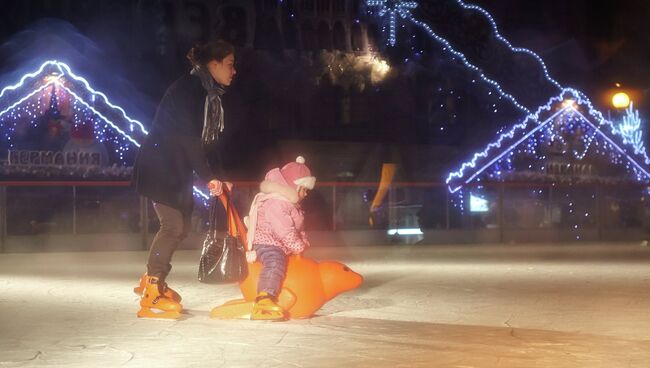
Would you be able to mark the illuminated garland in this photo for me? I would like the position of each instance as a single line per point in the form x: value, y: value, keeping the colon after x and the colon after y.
x: 524, y: 130
x: 55, y: 74
x: 628, y: 131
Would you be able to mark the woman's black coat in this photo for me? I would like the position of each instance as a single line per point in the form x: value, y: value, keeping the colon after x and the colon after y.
x: 163, y: 171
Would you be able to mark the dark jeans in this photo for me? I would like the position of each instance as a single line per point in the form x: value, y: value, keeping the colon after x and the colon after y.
x: 174, y: 226
x: 274, y: 268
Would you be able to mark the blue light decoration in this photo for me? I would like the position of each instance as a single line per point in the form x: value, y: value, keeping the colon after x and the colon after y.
x: 201, y: 196
x: 448, y: 47
x: 111, y: 123
x: 527, y: 137
x: 51, y: 84
x: 393, y: 8
x: 630, y: 130
x: 484, y: 159
x: 566, y: 142
x: 498, y: 36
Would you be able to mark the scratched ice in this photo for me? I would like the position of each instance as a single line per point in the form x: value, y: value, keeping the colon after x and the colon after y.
x: 420, y: 306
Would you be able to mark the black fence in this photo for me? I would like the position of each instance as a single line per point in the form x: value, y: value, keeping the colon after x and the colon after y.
x: 86, y: 208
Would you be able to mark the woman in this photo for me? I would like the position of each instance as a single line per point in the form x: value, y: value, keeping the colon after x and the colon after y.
x: 188, y: 121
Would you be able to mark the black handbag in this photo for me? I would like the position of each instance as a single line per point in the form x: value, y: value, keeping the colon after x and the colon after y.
x: 223, y: 260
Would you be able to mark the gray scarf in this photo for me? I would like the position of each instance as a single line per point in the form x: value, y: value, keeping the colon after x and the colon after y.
x: 213, y: 111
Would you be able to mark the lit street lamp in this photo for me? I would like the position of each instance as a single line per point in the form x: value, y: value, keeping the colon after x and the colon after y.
x: 621, y: 100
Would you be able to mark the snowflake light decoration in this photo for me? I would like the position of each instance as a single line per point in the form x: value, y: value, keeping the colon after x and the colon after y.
x: 393, y: 8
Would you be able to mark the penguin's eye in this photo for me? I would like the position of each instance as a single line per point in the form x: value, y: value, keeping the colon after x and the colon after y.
x: 346, y: 269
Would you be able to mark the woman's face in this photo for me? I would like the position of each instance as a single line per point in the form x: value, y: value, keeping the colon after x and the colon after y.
x: 223, y: 71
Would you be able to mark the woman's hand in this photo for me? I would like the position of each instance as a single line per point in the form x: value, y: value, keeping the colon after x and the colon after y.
x: 216, y: 187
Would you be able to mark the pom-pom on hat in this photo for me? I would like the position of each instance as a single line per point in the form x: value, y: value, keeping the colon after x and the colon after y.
x: 298, y: 174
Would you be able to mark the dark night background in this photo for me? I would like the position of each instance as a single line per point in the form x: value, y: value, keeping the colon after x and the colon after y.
x: 288, y: 97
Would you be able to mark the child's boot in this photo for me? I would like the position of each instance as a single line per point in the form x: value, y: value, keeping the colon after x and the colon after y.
x: 266, y: 309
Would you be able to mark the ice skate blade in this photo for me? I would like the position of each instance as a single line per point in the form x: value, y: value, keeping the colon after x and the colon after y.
x: 150, y: 313
x: 272, y: 316
x: 234, y: 309
x: 235, y: 301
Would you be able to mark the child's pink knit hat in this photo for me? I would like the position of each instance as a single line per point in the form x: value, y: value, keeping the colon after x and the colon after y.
x: 298, y: 174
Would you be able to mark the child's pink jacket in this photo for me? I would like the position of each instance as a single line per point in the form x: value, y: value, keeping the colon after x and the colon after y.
x: 275, y: 218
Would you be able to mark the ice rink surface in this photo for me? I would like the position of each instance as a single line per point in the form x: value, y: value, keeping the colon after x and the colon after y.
x: 558, y: 305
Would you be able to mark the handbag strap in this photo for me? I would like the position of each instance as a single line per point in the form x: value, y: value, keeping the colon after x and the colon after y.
x: 232, y: 225
x: 236, y: 227
x: 212, y: 217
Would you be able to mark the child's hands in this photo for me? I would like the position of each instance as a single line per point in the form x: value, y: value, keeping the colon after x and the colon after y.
x: 303, y: 235
x: 251, y: 256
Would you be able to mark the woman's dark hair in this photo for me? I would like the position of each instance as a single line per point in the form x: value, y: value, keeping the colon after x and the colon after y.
x: 201, y: 54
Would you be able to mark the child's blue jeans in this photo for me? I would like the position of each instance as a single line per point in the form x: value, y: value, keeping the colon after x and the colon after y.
x: 274, y: 268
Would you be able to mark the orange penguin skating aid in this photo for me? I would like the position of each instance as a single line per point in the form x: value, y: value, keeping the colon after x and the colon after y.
x: 308, y: 285
x: 306, y: 288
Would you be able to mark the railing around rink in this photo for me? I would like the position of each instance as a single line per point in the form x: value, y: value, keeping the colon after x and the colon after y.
x: 409, y: 207
x: 45, y: 198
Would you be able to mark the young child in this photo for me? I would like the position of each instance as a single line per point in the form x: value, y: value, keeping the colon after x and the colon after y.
x: 275, y: 231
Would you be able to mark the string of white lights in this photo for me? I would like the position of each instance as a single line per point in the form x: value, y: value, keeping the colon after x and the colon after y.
x: 567, y: 94
x: 399, y: 7
x: 65, y: 70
